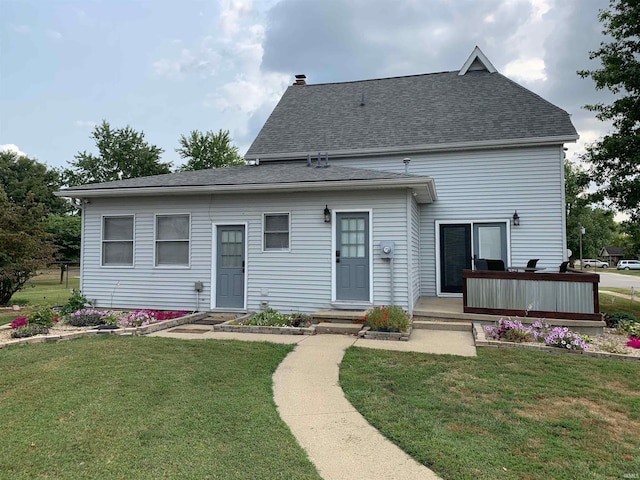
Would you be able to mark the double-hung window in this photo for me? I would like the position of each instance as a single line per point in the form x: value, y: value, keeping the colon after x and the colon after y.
x: 117, y: 241
x: 172, y: 240
x: 276, y: 231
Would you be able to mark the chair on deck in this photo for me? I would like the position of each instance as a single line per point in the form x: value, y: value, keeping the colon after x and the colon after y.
x: 531, y: 265
x: 496, y: 265
x: 481, y: 264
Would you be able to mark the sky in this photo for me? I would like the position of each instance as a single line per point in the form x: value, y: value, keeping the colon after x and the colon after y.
x: 168, y: 67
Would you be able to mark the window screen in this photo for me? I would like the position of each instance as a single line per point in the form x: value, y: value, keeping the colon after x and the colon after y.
x: 117, y: 241
x: 172, y: 240
x: 276, y: 231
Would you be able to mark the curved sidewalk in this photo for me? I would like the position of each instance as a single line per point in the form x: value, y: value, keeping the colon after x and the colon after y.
x: 338, y: 440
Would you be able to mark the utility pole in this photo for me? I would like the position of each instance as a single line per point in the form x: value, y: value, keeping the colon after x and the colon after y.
x: 581, y: 234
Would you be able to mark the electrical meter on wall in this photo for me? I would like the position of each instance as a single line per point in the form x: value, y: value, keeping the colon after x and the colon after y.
x: 387, y: 249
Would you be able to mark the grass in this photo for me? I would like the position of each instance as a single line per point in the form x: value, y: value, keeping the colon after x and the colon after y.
x: 612, y: 304
x: 508, y: 414
x: 633, y: 273
x: 43, y: 289
x: 625, y: 291
x: 144, y: 408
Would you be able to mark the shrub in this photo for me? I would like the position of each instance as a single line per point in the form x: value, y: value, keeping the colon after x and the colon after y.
x: 88, y: 317
x: 142, y: 318
x: 76, y: 302
x: 299, y: 319
x: 514, y: 331
x: 388, y: 318
x: 562, y: 337
x: 29, y: 331
x: 42, y: 315
x: 632, y: 328
x: 615, y: 319
x: 19, y: 322
x: 634, y: 342
x: 269, y: 317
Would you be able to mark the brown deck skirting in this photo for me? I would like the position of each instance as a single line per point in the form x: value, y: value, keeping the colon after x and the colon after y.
x: 537, y: 276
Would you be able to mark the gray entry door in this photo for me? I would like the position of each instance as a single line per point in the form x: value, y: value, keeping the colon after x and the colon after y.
x: 352, y: 256
x: 230, y: 267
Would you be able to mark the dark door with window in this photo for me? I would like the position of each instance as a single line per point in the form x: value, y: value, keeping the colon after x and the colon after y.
x: 352, y: 256
x: 230, y: 267
x: 455, y: 256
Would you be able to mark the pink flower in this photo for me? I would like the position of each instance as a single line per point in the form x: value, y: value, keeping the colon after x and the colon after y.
x: 634, y: 342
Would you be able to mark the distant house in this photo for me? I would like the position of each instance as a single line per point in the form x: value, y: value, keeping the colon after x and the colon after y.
x: 416, y: 176
x: 612, y: 255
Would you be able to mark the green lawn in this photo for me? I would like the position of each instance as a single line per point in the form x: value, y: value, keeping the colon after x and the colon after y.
x: 508, y: 414
x: 43, y: 289
x: 144, y: 408
x: 612, y: 304
x: 633, y: 273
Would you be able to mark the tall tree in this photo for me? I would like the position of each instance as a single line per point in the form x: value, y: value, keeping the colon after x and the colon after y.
x: 24, y: 245
x: 616, y: 157
x: 208, y: 150
x: 122, y: 153
x: 600, y: 227
x: 66, y: 233
x: 21, y: 176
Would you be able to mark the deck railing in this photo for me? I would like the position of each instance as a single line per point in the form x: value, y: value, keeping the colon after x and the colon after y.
x: 544, y: 295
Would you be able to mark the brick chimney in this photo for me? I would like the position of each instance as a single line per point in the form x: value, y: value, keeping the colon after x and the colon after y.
x: 300, y: 79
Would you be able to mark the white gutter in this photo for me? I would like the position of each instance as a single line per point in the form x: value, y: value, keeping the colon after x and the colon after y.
x: 424, y: 188
x: 426, y: 148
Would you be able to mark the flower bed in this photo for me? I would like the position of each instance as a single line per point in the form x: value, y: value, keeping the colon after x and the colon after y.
x: 65, y: 331
x: 388, y: 322
x: 269, y: 321
x: 615, y: 342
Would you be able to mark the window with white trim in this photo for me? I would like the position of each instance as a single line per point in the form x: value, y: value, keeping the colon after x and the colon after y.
x: 117, y: 241
x: 172, y: 240
x: 276, y: 231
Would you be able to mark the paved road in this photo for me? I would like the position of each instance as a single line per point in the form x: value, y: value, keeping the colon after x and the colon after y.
x: 617, y: 280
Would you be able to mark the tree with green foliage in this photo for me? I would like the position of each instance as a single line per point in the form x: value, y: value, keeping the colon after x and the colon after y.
x: 600, y: 227
x: 66, y: 231
x: 21, y: 176
x: 25, y: 246
x: 122, y: 153
x: 615, y: 158
x: 208, y: 150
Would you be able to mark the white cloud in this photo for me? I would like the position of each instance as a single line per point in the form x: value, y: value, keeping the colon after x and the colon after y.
x: 231, y: 13
x: 54, y: 35
x: 527, y: 70
x: 22, y: 29
x: 88, y: 124
x: 10, y: 147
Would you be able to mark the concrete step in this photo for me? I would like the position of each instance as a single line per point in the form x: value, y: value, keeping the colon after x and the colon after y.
x: 443, y: 325
x: 211, y: 321
x: 338, y: 328
x: 338, y: 316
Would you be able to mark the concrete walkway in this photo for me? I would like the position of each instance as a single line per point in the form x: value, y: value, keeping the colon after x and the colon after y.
x: 338, y: 440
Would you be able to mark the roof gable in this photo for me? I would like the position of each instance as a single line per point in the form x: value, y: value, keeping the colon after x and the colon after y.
x: 477, y: 61
x: 410, y: 114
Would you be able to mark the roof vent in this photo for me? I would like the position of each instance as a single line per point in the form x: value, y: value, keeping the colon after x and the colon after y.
x: 301, y: 79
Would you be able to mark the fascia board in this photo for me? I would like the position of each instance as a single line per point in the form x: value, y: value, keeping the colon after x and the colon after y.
x: 426, y: 148
x: 424, y: 183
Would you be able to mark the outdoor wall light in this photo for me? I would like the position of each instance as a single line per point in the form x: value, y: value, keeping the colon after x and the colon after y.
x: 516, y: 219
x: 327, y: 214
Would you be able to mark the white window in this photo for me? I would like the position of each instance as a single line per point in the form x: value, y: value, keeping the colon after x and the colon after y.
x: 117, y: 241
x: 172, y: 240
x: 276, y: 231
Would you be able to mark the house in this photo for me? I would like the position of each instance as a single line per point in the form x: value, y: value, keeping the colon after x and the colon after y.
x: 612, y: 255
x: 354, y: 194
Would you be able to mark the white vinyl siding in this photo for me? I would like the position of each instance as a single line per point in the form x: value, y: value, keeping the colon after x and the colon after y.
x: 117, y: 241
x: 172, y: 240
x: 297, y: 280
x: 488, y: 185
x: 276, y: 229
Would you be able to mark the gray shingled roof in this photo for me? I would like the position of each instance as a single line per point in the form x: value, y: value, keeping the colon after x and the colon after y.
x: 264, y: 174
x: 432, y: 109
